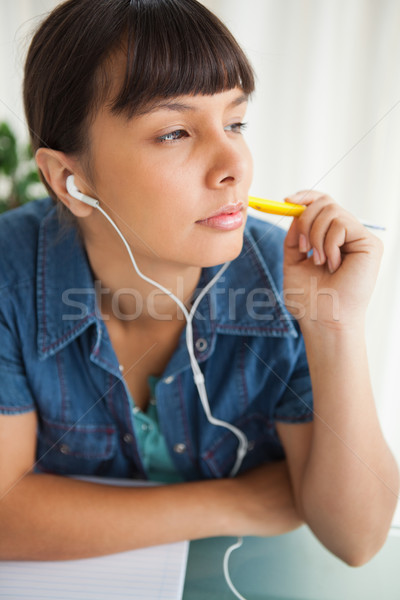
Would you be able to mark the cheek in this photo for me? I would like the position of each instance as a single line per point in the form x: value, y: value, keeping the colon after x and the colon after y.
x: 157, y: 205
x: 173, y: 192
x: 249, y: 164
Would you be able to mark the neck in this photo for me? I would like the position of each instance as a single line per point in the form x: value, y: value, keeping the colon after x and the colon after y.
x: 124, y: 296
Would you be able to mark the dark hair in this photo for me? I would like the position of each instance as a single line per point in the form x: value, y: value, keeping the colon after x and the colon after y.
x: 172, y: 47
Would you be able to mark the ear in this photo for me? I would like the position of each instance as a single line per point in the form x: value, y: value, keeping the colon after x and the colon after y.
x: 55, y: 167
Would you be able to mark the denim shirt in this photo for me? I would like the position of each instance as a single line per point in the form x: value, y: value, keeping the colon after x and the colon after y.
x: 56, y: 357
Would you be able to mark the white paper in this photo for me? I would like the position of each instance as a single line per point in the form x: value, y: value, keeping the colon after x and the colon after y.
x: 155, y: 573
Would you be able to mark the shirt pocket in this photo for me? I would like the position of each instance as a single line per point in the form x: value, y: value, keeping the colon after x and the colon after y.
x: 264, y: 446
x: 73, y: 449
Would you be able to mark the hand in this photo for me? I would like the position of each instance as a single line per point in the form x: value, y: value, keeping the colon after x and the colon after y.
x: 261, y: 502
x: 332, y: 286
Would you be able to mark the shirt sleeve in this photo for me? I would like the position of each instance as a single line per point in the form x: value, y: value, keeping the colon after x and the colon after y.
x: 15, y: 394
x: 296, y: 403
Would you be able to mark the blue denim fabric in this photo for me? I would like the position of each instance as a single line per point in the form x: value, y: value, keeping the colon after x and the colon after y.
x: 56, y: 357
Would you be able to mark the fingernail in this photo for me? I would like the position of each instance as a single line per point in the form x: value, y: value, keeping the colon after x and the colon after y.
x: 316, y: 256
x: 302, y: 243
x: 330, y: 266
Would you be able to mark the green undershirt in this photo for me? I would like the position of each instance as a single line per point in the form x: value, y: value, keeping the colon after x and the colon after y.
x: 151, y: 443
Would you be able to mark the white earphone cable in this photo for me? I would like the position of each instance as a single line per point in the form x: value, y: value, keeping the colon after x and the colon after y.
x: 198, y: 376
x: 199, y: 381
x: 226, y: 567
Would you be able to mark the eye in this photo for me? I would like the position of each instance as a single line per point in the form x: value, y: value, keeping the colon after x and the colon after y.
x: 236, y: 127
x: 173, y: 136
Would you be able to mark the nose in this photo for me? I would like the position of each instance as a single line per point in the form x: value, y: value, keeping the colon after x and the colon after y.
x: 229, y: 162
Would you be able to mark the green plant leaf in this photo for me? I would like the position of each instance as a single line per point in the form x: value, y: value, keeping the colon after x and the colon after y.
x: 18, y: 168
x: 8, y: 150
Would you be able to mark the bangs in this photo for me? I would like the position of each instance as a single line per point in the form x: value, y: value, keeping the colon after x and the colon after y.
x: 175, y: 48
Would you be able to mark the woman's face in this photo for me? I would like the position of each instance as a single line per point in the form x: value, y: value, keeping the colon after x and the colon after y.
x: 176, y: 178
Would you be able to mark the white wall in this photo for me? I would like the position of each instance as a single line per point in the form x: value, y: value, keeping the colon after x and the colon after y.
x: 18, y: 18
x: 326, y: 115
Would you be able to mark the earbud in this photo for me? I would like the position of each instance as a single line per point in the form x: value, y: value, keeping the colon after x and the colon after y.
x: 75, y: 193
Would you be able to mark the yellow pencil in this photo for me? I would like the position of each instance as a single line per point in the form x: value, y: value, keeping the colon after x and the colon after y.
x: 287, y: 209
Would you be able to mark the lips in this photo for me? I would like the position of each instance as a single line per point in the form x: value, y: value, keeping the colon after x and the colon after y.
x: 226, y: 218
x: 228, y: 209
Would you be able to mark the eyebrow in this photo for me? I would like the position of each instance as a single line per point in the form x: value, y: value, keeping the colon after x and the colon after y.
x: 177, y: 106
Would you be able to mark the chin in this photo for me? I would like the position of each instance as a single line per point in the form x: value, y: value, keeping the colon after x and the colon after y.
x: 223, y: 251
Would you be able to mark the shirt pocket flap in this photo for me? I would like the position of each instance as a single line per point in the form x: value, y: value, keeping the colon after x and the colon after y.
x: 73, y: 449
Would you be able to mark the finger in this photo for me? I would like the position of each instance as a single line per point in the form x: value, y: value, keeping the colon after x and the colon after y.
x: 293, y: 253
x: 305, y: 197
x: 335, y: 239
x: 318, y: 228
x: 322, y: 208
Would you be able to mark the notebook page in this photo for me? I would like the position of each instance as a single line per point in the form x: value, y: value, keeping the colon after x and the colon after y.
x: 156, y: 573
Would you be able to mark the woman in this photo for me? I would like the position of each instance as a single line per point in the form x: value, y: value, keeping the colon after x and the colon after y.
x: 143, y: 103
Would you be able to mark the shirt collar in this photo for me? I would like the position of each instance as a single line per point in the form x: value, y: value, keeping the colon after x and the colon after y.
x: 244, y: 301
x: 66, y: 303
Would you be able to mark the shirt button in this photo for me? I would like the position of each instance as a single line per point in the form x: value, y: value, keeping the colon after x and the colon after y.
x: 180, y: 448
x: 169, y: 379
x: 145, y: 427
x: 64, y: 449
x: 201, y: 345
x: 251, y: 446
x: 128, y: 438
